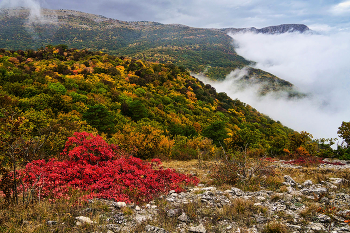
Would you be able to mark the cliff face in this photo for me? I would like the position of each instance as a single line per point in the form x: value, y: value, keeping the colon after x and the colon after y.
x: 283, y: 28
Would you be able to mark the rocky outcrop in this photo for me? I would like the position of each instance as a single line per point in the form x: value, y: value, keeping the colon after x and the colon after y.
x: 304, y: 206
x: 283, y: 28
x: 289, y: 208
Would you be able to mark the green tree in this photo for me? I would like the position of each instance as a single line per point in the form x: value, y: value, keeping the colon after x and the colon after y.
x: 177, y: 129
x: 217, y: 132
x: 99, y: 117
x: 57, y: 88
x: 246, y: 138
x: 134, y: 109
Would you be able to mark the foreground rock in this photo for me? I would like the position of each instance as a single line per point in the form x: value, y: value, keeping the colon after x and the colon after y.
x: 304, y: 207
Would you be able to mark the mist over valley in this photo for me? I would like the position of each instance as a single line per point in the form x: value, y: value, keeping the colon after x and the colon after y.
x: 316, y: 63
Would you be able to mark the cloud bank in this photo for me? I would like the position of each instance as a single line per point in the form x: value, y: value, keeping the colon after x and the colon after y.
x: 317, y: 64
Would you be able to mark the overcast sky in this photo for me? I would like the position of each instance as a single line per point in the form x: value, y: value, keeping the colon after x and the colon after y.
x: 320, y: 14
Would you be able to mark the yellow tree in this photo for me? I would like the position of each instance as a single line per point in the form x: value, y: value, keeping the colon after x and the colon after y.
x: 344, y: 132
x: 145, y: 141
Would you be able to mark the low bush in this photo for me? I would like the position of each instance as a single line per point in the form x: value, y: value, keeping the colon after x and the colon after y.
x: 94, y: 167
x: 244, y: 172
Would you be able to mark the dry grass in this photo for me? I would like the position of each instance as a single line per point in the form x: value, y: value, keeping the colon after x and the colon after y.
x: 35, y: 217
x: 240, y: 211
x: 265, y: 176
x: 315, y: 174
x: 199, y: 169
x: 311, y: 211
x: 275, y: 227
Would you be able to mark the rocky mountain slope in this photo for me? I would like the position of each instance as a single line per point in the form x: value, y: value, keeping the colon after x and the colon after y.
x: 279, y: 29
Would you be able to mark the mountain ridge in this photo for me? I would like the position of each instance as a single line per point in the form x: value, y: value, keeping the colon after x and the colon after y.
x: 277, y: 29
x: 273, y: 29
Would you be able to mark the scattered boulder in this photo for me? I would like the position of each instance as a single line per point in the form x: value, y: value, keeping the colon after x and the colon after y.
x: 150, y: 228
x: 83, y: 220
x: 287, y: 206
x: 112, y: 227
x: 117, y: 218
x: 336, y: 181
x: 324, y: 218
x: 316, y: 227
x: 173, y: 212
x: 237, y: 192
x: 119, y: 204
x: 307, y: 183
x: 314, y: 190
x: 51, y: 223
x: 183, y: 217
x: 198, y: 229
x: 142, y: 217
x: 289, y: 181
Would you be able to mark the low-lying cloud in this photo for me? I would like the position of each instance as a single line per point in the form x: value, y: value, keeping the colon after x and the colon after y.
x: 33, y: 5
x: 35, y: 17
x: 317, y: 64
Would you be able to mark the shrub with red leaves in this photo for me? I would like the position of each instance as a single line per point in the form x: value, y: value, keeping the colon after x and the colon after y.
x: 305, y: 161
x: 93, y: 166
x: 269, y: 159
x: 88, y: 149
x: 310, y: 161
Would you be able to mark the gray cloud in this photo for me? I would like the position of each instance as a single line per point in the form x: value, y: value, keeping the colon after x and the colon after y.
x: 341, y: 8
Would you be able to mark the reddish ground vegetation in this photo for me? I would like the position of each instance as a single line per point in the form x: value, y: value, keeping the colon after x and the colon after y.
x: 310, y: 161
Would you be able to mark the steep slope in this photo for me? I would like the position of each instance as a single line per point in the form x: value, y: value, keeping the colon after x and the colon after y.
x: 150, y: 109
x: 206, y: 51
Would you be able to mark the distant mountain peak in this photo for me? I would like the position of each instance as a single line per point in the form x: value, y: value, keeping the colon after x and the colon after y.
x: 279, y: 29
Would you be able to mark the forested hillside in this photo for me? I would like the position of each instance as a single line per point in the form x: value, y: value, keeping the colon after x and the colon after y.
x: 148, y: 109
x: 199, y: 50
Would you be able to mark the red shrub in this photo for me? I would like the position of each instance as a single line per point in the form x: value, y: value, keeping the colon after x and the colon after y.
x: 94, y: 167
x: 86, y: 148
